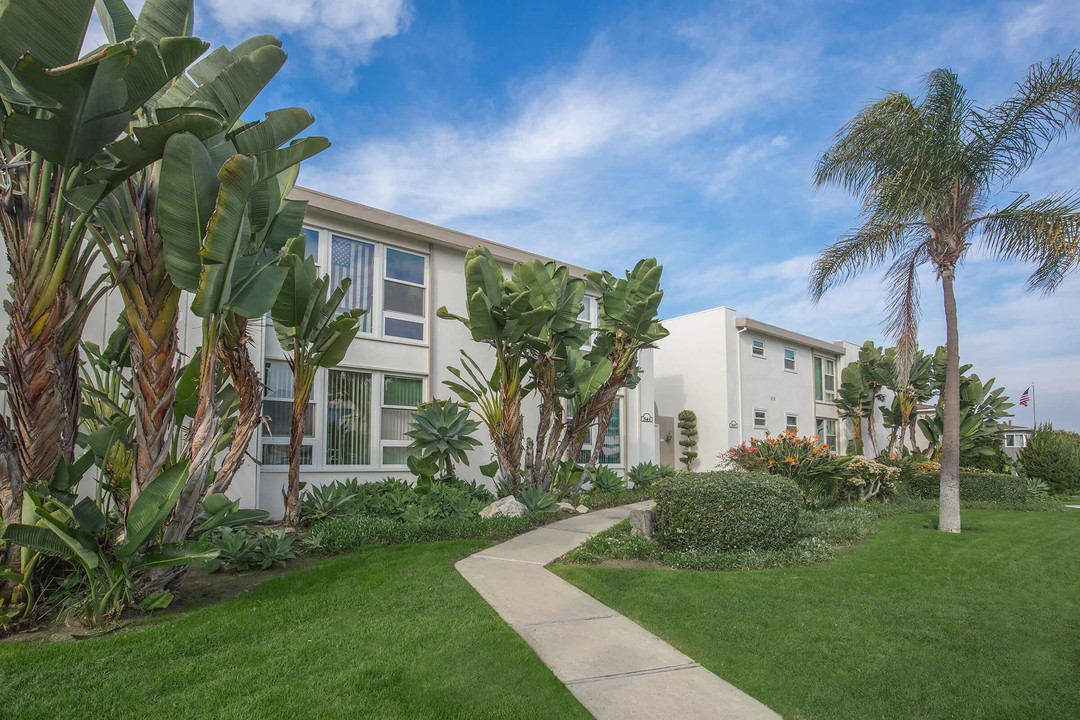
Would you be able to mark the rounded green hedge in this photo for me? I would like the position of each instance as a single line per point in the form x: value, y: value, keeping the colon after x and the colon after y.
x: 981, y: 486
x: 726, y: 510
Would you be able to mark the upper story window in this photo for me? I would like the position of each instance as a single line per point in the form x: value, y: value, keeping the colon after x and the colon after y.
x: 354, y: 259
x: 757, y: 348
x: 311, y: 236
x: 404, y: 289
x: 824, y: 379
x: 789, y: 359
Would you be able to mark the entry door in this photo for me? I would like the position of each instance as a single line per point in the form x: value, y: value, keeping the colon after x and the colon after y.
x: 668, y: 441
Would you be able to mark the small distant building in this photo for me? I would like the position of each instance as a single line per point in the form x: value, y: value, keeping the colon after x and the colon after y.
x: 1016, y: 437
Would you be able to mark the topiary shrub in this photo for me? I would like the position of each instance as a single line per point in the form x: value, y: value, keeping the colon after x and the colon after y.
x: 726, y: 510
x: 974, y: 485
x: 689, y: 432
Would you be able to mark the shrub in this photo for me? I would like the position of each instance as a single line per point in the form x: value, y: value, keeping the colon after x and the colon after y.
x: 808, y: 463
x: 323, y: 501
x: 726, y: 510
x: 974, y: 485
x: 603, y: 479
x: 1052, y: 456
x: 354, y: 532
x: 601, y: 500
x: 868, y: 479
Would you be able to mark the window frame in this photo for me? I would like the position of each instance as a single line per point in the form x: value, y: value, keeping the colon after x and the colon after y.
x: 790, y: 426
x: 764, y: 419
x: 590, y: 441
x: 755, y: 345
x: 385, y: 314
x: 383, y: 406
x: 821, y: 426
x: 819, y: 379
x: 793, y: 360
x: 267, y: 438
x: 377, y: 314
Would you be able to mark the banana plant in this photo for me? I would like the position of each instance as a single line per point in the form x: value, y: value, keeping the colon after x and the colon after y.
x: 67, y: 137
x: 225, y: 82
x: 61, y: 525
x: 500, y: 314
x: 314, y: 333
x: 854, y: 402
x: 629, y: 312
x: 982, y: 409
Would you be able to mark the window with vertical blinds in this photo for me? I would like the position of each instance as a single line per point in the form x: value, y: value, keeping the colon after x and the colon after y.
x: 348, y: 418
x: 277, y: 416
x: 401, y: 395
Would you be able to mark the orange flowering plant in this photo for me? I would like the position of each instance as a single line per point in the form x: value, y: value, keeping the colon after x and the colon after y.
x: 807, y: 462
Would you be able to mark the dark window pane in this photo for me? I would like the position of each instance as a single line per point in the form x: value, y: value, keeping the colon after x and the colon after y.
x: 403, y: 298
x: 404, y: 329
x: 277, y: 454
x: 393, y: 455
x: 279, y: 416
x: 312, y: 243
x: 404, y: 266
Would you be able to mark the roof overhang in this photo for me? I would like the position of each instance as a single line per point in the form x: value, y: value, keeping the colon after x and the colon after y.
x: 745, y: 323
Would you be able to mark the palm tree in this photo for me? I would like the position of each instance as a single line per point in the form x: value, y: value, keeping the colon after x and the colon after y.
x: 927, y: 172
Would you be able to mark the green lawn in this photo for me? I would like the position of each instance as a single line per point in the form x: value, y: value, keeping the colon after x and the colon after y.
x: 389, y: 633
x: 909, y: 623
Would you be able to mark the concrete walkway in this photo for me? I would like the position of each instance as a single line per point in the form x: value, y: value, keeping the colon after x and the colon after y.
x: 616, y: 668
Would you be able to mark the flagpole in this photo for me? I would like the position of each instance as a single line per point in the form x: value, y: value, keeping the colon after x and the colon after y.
x: 1034, y: 418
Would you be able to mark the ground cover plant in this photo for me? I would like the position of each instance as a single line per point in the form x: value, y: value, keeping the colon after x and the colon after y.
x: 390, y: 633
x: 907, y: 623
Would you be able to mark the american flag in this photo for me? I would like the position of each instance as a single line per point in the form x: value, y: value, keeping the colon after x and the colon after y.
x: 1025, y: 398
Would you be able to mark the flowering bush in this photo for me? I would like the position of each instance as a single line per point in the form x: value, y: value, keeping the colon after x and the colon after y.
x: 807, y: 462
x: 867, y: 479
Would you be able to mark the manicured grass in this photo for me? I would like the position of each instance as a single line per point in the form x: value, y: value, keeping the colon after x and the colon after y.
x: 909, y: 623
x: 389, y: 633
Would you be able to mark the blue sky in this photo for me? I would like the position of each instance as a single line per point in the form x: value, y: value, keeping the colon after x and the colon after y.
x: 602, y: 132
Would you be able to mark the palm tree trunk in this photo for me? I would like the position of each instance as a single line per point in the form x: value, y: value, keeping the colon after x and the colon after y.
x: 601, y: 432
x: 949, y: 502
x: 303, y: 379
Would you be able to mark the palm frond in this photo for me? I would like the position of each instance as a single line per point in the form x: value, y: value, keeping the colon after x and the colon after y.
x: 861, y: 249
x: 874, y: 144
x: 1013, y: 134
x: 1044, y: 231
x: 902, y: 310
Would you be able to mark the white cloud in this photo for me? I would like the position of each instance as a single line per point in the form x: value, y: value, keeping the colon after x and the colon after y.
x: 342, y: 33
x: 600, y: 114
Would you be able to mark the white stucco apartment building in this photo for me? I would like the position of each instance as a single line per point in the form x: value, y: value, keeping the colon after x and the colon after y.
x: 402, y: 270
x: 743, y: 377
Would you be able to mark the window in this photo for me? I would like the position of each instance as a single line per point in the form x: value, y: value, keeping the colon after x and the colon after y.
x: 312, y: 237
x: 789, y: 359
x: 404, y: 306
x: 611, y: 451
x: 826, y: 432
x: 758, y: 348
x: 354, y: 259
x: 824, y: 379
x: 400, y: 397
x: 761, y: 420
x: 791, y: 423
x: 588, y: 317
x: 348, y: 418
x: 277, y: 409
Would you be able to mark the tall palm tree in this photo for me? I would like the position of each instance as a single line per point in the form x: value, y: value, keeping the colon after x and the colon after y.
x: 927, y: 171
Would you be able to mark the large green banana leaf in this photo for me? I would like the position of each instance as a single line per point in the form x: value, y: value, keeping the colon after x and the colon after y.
x: 152, y: 507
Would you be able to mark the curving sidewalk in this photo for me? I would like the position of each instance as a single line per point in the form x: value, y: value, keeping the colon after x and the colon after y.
x: 614, y: 667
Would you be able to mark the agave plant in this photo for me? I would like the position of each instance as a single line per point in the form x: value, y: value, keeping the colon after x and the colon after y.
x: 442, y: 430
x: 645, y: 474
x: 539, y: 501
x: 604, y: 479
